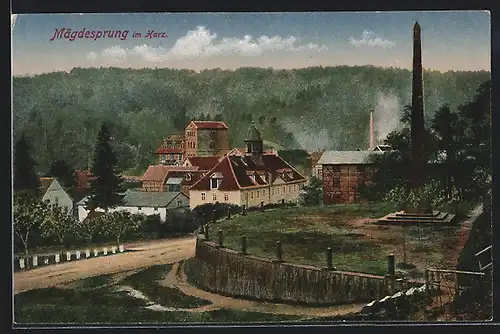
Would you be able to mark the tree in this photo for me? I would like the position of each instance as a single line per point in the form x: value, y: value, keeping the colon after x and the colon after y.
x: 118, y: 223
x: 106, y: 189
x: 58, y: 224
x: 28, y: 215
x: 445, y: 125
x: 312, y: 193
x: 89, y: 228
x: 25, y: 177
x: 61, y: 170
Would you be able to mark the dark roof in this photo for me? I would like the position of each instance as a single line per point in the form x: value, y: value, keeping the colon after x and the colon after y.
x: 45, y: 183
x: 236, y: 172
x: 253, y: 134
x: 149, y: 199
x: 204, y: 163
x: 210, y: 125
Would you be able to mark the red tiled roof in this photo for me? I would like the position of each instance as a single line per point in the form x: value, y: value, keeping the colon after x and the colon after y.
x: 159, y: 172
x: 204, y: 163
x: 83, y: 178
x: 234, y: 170
x: 210, y: 125
x: 164, y: 150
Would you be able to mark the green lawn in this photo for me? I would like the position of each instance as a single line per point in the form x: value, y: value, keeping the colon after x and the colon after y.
x: 306, y: 232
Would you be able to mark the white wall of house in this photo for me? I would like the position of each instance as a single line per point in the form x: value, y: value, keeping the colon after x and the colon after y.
x: 179, y: 201
x: 148, y: 211
x: 56, y: 195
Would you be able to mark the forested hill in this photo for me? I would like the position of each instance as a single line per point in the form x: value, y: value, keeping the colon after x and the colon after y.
x: 311, y: 108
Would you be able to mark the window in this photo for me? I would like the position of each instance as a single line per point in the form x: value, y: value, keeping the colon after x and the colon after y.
x: 214, y: 197
x: 214, y: 183
x: 246, y: 196
x: 272, y: 191
x: 284, y: 190
x: 294, y: 187
x: 179, y: 204
x: 56, y: 199
x: 263, y: 193
x: 278, y: 191
x: 203, y: 197
x: 139, y: 208
x: 188, y: 177
x: 258, y: 193
x: 251, y: 194
x: 155, y: 208
x: 289, y: 189
x: 226, y: 197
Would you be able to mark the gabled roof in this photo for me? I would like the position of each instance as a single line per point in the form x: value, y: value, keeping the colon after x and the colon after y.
x: 345, y: 157
x: 204, y: 163
x: 237, y: 172
x: 45, y: 183
x: 149, y: 199
x: 159, y: 172
x: 210, y: 125
x: 144, y: 198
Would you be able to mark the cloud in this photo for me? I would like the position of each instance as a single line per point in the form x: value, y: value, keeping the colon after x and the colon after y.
x: 368, y: 38
x: 201, y: 43
x: 13, y: 18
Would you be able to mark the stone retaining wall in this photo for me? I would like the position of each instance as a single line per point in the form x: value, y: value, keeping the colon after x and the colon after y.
x: 232, y: 273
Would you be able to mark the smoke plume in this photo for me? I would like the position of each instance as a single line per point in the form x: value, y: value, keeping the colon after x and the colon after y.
x: 308, y: 138
x: 387, y: 116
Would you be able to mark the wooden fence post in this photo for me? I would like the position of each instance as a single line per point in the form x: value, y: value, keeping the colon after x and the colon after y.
x: 220, y: 243
x: 244, y: 244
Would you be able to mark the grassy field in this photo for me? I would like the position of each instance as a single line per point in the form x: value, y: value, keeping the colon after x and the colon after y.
x: 358, y: 245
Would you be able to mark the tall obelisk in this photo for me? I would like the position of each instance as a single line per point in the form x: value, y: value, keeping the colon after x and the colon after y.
x: 417, y: 114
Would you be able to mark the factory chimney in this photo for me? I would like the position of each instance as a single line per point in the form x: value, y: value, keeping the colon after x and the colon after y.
x: 372, y: 132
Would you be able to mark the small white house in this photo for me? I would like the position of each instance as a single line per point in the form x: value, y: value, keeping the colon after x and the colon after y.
x: 147, y: 203
x: 54, y: 194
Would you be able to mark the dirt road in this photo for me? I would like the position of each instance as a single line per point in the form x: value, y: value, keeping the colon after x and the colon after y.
x: 141, y: 256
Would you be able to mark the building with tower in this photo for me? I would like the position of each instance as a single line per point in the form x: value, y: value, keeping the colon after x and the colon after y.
x: 250, y: 179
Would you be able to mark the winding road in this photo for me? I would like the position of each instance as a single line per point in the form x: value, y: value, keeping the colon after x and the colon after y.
x: 138, y: 255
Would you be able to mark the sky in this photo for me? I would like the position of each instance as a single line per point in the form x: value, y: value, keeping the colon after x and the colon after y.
x: 452, y: 40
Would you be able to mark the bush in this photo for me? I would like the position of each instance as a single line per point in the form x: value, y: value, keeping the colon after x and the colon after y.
x: 207, y: 212
x: 179, y: 222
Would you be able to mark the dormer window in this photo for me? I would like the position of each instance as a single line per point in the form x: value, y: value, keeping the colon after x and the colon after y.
x: 188, y: 177
x: 215, y: 180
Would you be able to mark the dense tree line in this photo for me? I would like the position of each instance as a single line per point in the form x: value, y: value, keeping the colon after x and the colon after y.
x: 310, y: 108
x: 458, y: 155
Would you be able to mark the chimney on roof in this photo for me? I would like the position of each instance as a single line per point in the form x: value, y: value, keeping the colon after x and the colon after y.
x: 372, y: 131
